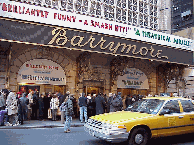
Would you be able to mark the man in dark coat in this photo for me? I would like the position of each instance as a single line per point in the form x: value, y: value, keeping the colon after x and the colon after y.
x: 116, y: 103
x: 128, y: 101
x: 46, y: 101
x: 41, y: 106
x: 92, y: 106
x: 23, y: 108
x: 34, y: 105
x: 108, y: 102
x: 82, y: 102
x: 100, y: 104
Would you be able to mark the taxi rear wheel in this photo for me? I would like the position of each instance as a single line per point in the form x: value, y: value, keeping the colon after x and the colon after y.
x: 139, y: 136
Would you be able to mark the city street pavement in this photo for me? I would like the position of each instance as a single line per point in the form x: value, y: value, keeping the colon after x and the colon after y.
x: 52, y: 132
x: 43, y: 124
x: 77, y: 136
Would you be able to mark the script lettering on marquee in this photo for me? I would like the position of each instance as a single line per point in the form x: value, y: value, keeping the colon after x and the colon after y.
x: 60, y: 38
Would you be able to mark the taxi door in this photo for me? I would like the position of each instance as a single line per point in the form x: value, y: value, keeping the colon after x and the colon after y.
x: 187, y: 111
x: 169, y: 124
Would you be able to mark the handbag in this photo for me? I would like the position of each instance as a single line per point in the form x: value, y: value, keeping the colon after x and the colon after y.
x: 49, y: 113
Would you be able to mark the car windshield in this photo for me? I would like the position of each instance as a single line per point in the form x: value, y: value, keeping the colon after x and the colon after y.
x: 150, y: 106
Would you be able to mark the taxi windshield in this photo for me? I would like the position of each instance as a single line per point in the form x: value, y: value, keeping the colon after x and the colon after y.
x: 150, y: 106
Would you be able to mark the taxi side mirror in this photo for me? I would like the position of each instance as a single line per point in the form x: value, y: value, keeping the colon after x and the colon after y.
x: 164, y: 111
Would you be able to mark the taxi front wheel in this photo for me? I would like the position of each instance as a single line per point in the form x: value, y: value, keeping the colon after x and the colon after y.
x: 139, y: 136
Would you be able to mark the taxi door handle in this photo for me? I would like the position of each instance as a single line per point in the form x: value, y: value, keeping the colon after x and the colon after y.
x: 180, y: 117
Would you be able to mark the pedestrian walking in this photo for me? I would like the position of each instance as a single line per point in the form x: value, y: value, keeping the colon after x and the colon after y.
x: 22, y: 108
x: 82, y: 102
x: 116, y: 103
x: 68, y: 103
x: 100, y: 104
x: 54, y: 104
x: 12, y: 108
x: 41, y: 106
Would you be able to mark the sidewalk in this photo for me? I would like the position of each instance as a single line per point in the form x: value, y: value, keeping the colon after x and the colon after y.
x: 43, y: 124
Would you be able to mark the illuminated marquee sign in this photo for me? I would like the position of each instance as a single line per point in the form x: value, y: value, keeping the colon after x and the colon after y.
x: 41, y: 71
x: 50, y: 16
x: 86, y: 41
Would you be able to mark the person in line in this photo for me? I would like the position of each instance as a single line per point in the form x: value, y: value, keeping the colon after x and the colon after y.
x: 91, y: 106
x: 41, y: 106
x: 116, y: 103
x: 22, y: 108
x: 12, y: 108
x: 2, y: 101
x: 108, y: 102
x: 88, y: 105
x: 100, y: 104
x: 82, y: 102
x: 61, y: 97
x: 46, y: 101
x: 123, y: 100
x: 54, y: 104
x: 68, y: 113
x: 128, y: 100
x: 75, y: 107
x: 34, y: 105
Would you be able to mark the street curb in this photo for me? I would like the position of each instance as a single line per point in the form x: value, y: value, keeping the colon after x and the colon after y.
x: 29, y: 127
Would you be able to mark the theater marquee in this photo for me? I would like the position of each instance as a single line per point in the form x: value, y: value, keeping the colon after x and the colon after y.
x: 73, y: 39
x: 35, y: 13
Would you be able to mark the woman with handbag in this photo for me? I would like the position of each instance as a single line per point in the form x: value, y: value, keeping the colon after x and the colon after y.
x: 12, y: 109
x: 68, y: 111
x: 54, y: 106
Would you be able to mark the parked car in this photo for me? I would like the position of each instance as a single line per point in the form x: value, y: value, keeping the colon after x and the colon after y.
x: 148, y: 118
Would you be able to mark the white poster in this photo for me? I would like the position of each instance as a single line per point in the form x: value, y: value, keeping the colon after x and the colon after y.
x: 133, y: 78
x: 41, y: 71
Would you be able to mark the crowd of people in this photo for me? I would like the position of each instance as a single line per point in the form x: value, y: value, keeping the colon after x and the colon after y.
x: 29, y: 106
x: 93, y: 104
x: 32, y: 106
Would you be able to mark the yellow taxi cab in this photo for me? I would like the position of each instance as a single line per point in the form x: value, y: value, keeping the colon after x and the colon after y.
x: 148, y: 118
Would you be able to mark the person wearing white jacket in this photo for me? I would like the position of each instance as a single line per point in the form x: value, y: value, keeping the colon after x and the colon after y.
x: 54, y: 104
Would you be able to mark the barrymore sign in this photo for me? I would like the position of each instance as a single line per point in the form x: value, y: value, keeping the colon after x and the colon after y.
x: 14, y: 31
x: 50, y: 16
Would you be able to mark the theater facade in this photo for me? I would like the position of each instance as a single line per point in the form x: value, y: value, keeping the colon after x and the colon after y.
x: 51, y: 50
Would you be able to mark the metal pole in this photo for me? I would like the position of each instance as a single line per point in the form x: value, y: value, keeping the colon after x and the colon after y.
x: 62, y: 117
x: 86, y: 91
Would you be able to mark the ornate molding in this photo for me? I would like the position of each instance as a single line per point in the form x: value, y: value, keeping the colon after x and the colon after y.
x: 168, y: 72
x: 117, y: 67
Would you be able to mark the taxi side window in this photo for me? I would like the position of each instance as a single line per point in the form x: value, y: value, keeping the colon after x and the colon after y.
x: 187, y: 105
x: 173, y: 106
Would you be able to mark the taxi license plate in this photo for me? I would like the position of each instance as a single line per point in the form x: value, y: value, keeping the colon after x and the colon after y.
x: 91, y: 132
